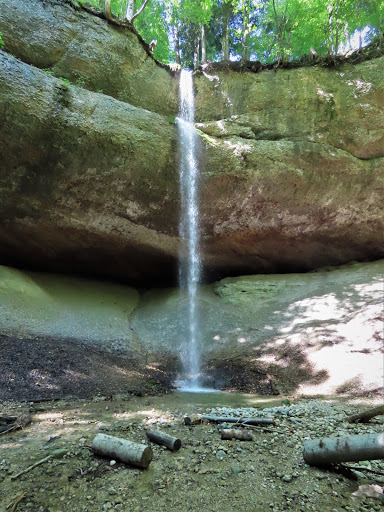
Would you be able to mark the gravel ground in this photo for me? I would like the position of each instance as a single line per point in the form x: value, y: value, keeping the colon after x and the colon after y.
x: 266, y: 474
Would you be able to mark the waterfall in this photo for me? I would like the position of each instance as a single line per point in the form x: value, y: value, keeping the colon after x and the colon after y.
x: 189, y: 266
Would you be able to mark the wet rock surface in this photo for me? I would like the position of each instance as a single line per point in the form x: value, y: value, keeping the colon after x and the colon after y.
x: 265, y: 474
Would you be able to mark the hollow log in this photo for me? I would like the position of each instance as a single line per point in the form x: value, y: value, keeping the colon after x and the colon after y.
x: 242, y: 435
x: 240, y: 421
x: 172, y: 443
x: 331, y: 450
x: 367, y: 415
x: 139, y: 455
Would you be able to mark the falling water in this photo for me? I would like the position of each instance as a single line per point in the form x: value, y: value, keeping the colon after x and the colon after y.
x: 189, y: 267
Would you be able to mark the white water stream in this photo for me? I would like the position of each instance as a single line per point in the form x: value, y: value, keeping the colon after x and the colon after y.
x: 189, y: 258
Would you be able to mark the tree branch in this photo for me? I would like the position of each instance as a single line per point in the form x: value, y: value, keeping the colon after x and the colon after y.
x: 139, y: 11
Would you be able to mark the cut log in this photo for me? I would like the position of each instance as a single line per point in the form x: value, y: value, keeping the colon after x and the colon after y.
x: 240, y: 421
x: 331, y: 450
x: 139, y: 455
x: 172, y: 443
x: 193, y: 419
x: 365, y: 416
x: 242, y: 435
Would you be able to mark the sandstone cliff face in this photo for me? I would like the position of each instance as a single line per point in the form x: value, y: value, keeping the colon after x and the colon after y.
x: 291, y: 161
x: 88, y: 183
x: 87, y: 50
x: 342, y: 107
x: 295, y: 165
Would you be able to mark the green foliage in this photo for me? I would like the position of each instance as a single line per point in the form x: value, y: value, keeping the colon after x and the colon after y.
x: 264, y: 30
x: 2, y: 44
x: 66, y: 83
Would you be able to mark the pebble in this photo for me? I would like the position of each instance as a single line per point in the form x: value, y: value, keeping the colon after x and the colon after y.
x: 220, y: 454
x: 112, y: 462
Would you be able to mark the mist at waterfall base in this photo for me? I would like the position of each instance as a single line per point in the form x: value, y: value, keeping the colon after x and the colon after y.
x: 189, y: 257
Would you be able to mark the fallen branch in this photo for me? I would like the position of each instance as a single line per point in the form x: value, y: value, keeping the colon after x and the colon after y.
x: 265, y: 429
x: 242, y: 435
x: 57, y: 454
x: 13, y: 506
x: 321, y: 452
x: 12, y: 423
x: 139, y: 455
x: 172, y: 443
x: 242, y: 421
x: 365, y: 416
x: 368, y: 470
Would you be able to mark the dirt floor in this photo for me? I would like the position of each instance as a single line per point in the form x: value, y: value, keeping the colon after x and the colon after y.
x: 267, y: 473
x: 42, y: 369
x: 72, y: 394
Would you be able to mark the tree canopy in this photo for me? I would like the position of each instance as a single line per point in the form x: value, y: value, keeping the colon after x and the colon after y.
x: 191, y: 32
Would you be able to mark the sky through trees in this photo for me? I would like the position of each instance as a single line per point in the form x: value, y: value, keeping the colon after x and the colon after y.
x: 190, y: 32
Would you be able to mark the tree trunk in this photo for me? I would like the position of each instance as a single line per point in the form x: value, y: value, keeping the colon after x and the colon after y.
x: 130, y: 10
x: 225, y: 36
x: 245, y: 50
x: 177, y: 46
x: 280, y: 36
x: 139, y: 455
x: 196, y: 54
x: 332, y: 450
x: 108, y: 10
x: 172, y: 443
x: 203, y: 44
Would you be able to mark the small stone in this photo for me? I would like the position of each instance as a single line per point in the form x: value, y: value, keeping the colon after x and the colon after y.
x: 220, y: 454
x: 112, y: 462
x: 287, y: 478
x: 236, y: 470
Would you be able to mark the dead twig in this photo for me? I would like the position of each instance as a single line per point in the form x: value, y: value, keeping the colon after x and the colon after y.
x: 57, y: 454
x: 13, y: 506
x: 265, y: 429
